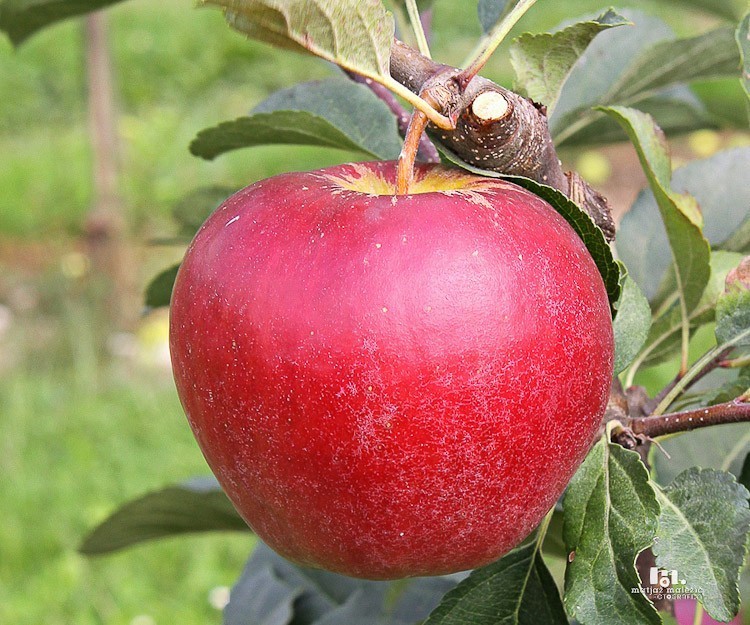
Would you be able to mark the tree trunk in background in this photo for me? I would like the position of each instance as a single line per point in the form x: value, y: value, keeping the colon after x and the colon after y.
x: 105, y: 228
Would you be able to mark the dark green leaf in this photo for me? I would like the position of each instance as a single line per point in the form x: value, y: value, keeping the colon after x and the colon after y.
x: 410, y: 601
x: 590, y: 233
x: 733, y: 308
x: 682, y: 219
x: 22, y: 18
x: 543, y: 61
x: 194, y: 208
x: 354, y: 35
x: 743, y: 42
x: 491, y: 11
x: 703, y: 527
x: 262, y: 598
x: 611, y: 516
x: 744, y: 477
x: 361, y: 608
x: 632, y: 322
x: 321, y: 597
x: 159, y: 290
x: 516, y: 590
x: 725, y: 204
x: 196, y: 506
x: 352, y: 108
x: 281, y: 127
x: 360, y: 122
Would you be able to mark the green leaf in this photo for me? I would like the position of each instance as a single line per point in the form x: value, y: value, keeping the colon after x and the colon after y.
x: 280, y: 127
x: 611, y: 516
x: 159, y: 290
x: 632, y: 322
x: 725, y: 205
x: 729, y: 390
x: 628, y: 66
x: 579, y: 220
x: 355, y: 35
x: 713, y: 447
x: 196, y: 506
x: 733, y: 308
x: 677, y: 110
x: 195, y: 207
x: 742, y: 36
x: 352, y: 108
x: 739, y: 241
x: 599, y: 68
x: 333, y: 113
x: 682, y: 219
x: 543, y: 61
x: 516, y: 590
x: 22, y: 18
x: 664, y: 338
x: 727, y: 9
x: 667, y: 63
x: 702, y: 531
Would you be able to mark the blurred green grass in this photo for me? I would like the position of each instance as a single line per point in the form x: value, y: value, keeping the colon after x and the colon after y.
x: 79, y: 437
x: 82, y: 432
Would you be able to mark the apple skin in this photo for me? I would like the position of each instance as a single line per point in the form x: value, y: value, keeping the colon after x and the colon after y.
x: 391, y: 386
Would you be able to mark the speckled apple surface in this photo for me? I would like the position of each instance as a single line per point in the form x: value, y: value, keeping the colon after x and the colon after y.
x: 391, y: 386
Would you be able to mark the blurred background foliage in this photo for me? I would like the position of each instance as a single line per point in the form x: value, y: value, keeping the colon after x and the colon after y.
x: 88, y: 411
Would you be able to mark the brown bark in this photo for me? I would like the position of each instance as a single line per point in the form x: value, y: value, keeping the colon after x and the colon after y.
x: 735, y: 411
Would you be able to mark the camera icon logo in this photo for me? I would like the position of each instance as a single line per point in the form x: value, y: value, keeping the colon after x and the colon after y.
x: 664, y: 577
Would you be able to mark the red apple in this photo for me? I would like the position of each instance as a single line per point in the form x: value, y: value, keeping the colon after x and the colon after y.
x: 389, y: 386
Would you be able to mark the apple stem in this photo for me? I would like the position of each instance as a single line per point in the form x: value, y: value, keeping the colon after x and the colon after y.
x: 408, y: 155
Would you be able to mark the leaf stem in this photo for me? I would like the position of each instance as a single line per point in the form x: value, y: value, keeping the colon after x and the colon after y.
x: 696, y: 371
x: 710, y: 366
x: 492, y: 41
x: 735, y: 411
x: 543, y: 527
x: 441, y: 121
x: 735, y: 363
x: 416, y: 24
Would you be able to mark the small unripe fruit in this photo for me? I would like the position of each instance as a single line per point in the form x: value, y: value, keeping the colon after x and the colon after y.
x: 389, y: 386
